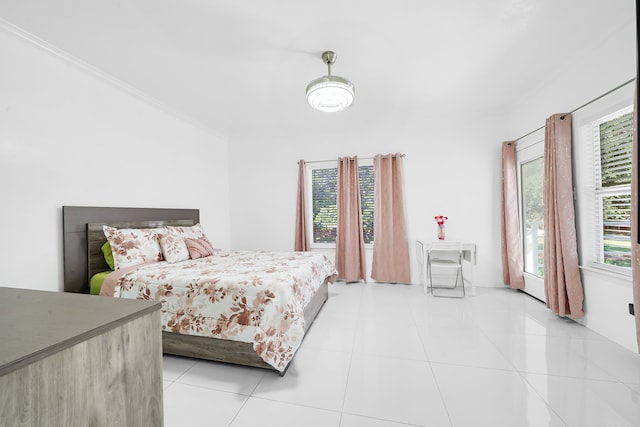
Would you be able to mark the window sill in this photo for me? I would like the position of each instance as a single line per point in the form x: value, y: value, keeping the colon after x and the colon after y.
x: 332, y: 246
x: 532, y: 276
x: 323, y: 246
x: 615, y: 273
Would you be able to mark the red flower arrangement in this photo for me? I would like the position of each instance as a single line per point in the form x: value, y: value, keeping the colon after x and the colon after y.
x: 441, y: 219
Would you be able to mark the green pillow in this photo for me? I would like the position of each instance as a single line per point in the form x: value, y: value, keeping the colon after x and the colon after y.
x: 108, y: 255
x: 96, y: 282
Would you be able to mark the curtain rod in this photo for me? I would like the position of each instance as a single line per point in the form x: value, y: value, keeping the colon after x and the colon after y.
x: 333, y: 160
x: 580, y: 107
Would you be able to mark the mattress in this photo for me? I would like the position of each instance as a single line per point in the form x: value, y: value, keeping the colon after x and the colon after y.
x: 254, y: 297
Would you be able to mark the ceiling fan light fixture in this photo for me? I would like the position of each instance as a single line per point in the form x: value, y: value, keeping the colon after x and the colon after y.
x: 330, y: 93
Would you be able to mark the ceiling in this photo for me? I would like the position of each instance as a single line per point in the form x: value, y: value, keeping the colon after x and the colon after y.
x: 240, y: 65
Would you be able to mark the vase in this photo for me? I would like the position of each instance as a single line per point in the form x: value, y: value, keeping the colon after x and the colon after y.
x: 440, y: 231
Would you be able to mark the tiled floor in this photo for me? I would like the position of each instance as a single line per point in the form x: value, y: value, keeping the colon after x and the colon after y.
x: 389, y: 355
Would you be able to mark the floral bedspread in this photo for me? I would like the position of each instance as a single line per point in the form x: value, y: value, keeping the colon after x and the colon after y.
x: 254, y: 297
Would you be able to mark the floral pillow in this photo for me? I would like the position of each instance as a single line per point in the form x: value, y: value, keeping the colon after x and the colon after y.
x: 172, y: 241
x: 133, y: 246
x: 173, y: 246
x: 199, y: 248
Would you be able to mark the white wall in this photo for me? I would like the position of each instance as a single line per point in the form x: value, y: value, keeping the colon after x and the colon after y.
x: 591, y: 72
x: 71, y: 137
x: 452, y: 167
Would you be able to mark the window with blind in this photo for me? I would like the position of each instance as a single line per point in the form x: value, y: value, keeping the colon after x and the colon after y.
x: 324, y: 184
x: 613, y: 149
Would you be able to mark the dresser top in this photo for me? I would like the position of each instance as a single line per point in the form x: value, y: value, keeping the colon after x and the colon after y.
x: 35, y: 324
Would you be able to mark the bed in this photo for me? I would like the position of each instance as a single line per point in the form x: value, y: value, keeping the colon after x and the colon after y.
x: 236, y: 333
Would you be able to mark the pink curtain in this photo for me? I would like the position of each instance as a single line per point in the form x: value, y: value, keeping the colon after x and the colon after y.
x: 562, y: 283
x: 390, y: 244
x: 350, y: 261
x: 635, y: 247
x: 511, y: 242
x: 301, y: 238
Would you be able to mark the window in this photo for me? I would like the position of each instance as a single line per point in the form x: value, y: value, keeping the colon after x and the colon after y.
x: 323, y: 200
x: 612, y: 152
x: 532, y: 193
x: 323, y: 197
x: 530, y: 161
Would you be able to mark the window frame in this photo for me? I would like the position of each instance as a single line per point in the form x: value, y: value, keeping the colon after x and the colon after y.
x: 529, y: 148
x: 536, y: 156
x: 310, y: 166
x: 599, y: 192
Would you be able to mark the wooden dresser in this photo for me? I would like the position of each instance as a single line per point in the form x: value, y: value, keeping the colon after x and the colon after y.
x: 79, y: 360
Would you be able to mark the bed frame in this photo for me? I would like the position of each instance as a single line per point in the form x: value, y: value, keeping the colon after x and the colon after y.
x: 83, y: 238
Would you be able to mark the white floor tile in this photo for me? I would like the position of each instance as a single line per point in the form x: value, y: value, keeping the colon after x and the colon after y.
x: 349, y: 420
x: 261, y: 412
x: 634, y: 387
x: 548, y: 355
x: 386, y: 336
x: 392, y: 389
x: 174, y: 366
x: 618, y: 361
x: 334, y: 333
x: 507, y: 319
x: 431, y: 311
x: 315, y: 378
x: 491, y: 397
x: 224, y: 377
x: 344, y: 301
x: 462, y: 347
x: 186, y: 405
x: 586, y: 403
x: 391, y: 301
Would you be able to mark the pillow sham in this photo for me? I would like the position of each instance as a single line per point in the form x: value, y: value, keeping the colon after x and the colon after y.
x: 108, y: 255
x: 172, y: 241
x: 192, y: 232
x: 199, y: 248
x: 133, y: 246
x: 173, y: 247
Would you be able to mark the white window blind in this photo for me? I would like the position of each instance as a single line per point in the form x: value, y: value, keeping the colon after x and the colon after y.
x: 324, y: 207
x: 365, y: 174
x: 325, y: 212
x: 612, y: 153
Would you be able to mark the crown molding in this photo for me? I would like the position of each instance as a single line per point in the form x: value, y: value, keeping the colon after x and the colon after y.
x: 106, y: 77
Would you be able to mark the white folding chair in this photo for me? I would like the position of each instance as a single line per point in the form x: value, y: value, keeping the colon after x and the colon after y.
x: 445, y: 257
x: 421, y: 258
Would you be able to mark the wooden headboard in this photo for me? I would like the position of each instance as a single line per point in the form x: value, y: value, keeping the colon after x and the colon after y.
x: 83, y: 236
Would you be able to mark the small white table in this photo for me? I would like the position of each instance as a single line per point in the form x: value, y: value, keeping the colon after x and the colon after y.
x: 468, y: 253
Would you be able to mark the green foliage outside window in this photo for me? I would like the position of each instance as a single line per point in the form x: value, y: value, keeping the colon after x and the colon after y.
x: 532, y: 174
x: 324, y: 201
x: 615, y: 138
